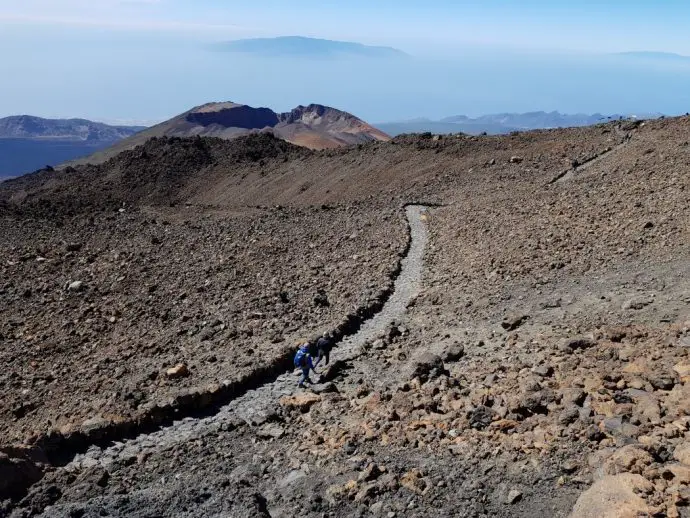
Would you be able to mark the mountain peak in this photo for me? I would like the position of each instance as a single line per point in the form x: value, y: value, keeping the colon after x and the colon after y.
x: 314, y: 126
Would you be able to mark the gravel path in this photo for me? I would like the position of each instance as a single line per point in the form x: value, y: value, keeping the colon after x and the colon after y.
x: 255, y: 406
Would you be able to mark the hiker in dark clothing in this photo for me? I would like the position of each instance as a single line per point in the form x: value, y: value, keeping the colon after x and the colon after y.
x: 323, y: 348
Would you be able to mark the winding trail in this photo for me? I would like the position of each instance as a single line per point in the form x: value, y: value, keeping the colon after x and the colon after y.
x: 255, y: 406
x: 569, y: 174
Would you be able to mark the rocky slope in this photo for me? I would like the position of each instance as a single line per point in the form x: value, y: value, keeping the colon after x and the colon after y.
x: 314, y: 126
x: 542, y: 368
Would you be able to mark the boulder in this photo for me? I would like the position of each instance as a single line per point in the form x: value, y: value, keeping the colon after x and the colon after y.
x: 683, y: 370
x: 682, y: 453
x: 425, y: 366
x: 614, y: 496
x: 629, y: 459
x: 178, y: 371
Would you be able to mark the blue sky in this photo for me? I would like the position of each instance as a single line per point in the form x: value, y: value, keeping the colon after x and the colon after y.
x: 146, y: 60
x: 583, y: 25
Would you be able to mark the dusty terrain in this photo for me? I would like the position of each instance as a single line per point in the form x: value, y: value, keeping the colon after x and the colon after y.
x: 541, y: 368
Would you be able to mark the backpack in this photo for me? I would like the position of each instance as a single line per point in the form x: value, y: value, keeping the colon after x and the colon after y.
x: 301, y: 357
x: 324, y: 344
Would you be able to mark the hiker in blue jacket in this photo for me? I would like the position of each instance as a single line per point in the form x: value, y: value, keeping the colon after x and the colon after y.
x: 304, y: 362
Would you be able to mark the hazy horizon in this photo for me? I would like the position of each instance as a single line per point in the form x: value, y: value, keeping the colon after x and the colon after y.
x: 143, y: 61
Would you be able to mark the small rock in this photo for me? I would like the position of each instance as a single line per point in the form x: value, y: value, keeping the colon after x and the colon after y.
x: 489, y: 380
x: 570, y: 345
x: 481, y: 417
x: 573, y: 395
x: 371, y: 472
x: 271, y: 430
x: 662, y: 382
x: 207, y: 333
x: 515, y: 159
x: 73, y: 247
x: 544, y: 371
x: 570, y: 466
x: 414, y: 481
x: 637, y: 303
x: 321, y: 299
x: 453, y: 353
x: 513, y: 496
x: 513, y: 321
x: 617, y: 426
x: 376, y: 508
x: 178, y: 371
x: 76, y: 286
x: 569, y: 415
x: 349, y: 448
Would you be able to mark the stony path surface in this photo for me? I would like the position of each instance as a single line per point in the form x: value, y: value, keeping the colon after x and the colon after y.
x: 256, y: 405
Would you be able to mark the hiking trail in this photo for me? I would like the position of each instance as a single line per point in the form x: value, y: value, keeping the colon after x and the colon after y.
x: 256, y: 406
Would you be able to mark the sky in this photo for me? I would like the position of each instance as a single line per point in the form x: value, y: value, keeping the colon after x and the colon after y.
x: 146, y: 60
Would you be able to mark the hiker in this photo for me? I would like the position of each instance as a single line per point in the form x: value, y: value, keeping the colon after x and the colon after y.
x: 303, y: 361
x: 323, y: 348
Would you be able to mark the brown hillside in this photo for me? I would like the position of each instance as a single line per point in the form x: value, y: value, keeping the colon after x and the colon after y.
x: 314, y: 126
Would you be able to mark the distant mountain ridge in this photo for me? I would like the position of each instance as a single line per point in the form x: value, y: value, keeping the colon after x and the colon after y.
x: 314, y: 126
x: 28, y: 143
x: 501, y: 123
x: 28, y: 126
x: 660, y: 56
x: 303, y: 46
